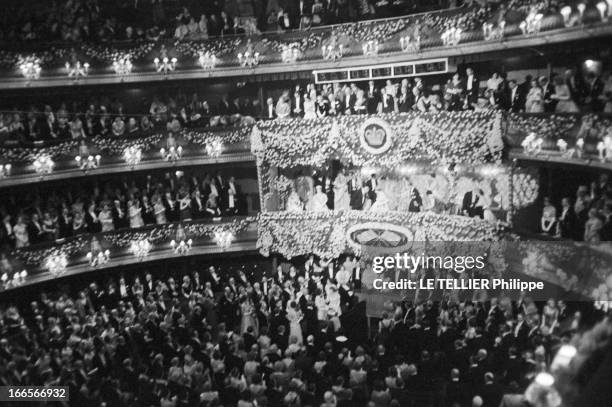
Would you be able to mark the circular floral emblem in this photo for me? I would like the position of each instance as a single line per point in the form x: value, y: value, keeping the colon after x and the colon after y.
x: 379, y: 236
x: 376, y: 135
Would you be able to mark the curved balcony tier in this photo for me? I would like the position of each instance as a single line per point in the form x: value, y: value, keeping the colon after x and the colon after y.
x: 440, y: 34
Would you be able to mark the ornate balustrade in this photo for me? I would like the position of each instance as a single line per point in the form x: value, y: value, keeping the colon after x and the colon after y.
x: 142, y: 150
x: 570, y: 138
x: 93, y: 251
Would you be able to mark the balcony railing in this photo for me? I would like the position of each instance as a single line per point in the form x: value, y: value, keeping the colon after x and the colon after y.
x: 56, y: 258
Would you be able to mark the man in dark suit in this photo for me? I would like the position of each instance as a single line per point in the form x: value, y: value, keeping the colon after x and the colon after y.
x: 567, y: 220
x: 472, y: 206
x: 606, y: 231
x: 456, y: 390
x: 491, y: 392
x: 65, y: 224
x: 575, y: 86
x: 198, y: 204
x: 35, y: 231
x: 520, y: 332
x: 358, y: 198
x: 593, y: 88
x: 373, y: 98
x: 224, y: 107
x: 549, y: 89
x: 472, y: 86
x: 213, y: 278
x: 514, y: 100
x: 387, y: 102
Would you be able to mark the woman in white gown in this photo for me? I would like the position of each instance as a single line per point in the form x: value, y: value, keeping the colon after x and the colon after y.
x: 294, y: 203
x: 318, y: 202
x: 333, y: 305
x: 294, y: 316
x: 535, y: 99
x: 309, y: 106
x: 321, y: 305
x: 563, y: 95
x: 381, y: 204
x: 342, y: 199
x: 134, y: 212
x: 248, y: 316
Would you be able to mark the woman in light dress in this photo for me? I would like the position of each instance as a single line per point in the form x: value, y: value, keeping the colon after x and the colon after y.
x: 342, y: 200
x: 549, y: 218
x: 294, y: 315
x: 382, y: 202
x: 20, y: 230
x: 159, y: 210
x: 564, y: 97
x: 318, y: 202
x: 592, y: 227
x: 309, y: 105
x: 488, y: 214
x: 333, y: 305
x: 294, y: 203
x: 134, y: 213
x: 105, y: 217
x: 321, y: 304
x: 248, y: 316
x: 283, y: 107
x: 535, y: 99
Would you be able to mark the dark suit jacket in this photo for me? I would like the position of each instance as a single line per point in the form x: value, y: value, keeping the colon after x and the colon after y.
x: 516, y: 103
x: 472, y: 94
x: 567, y: 224
x: 373, y: 97
x: 357, y: 200
x: 469, y: 207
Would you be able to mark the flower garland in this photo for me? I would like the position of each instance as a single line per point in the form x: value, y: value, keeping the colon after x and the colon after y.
x: 438, y: 137
x: 123, y: 238
x: 107, y: 53
x: 565, y: 135
x: 581, y: 268
x: 217, y: 47
x: 324, y: 233
x: 310, y: 41
x: 116, y: 146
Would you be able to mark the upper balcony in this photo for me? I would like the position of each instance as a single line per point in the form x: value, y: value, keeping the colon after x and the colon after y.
x: 446, y: 33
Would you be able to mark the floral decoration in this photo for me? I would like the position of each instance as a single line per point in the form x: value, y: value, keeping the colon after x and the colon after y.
x: 440, y: 137
x: 116, y: 146
x: 324, y: 233
x: 121, y: 239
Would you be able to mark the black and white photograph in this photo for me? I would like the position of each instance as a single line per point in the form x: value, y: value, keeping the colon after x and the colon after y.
x: 306, y: 203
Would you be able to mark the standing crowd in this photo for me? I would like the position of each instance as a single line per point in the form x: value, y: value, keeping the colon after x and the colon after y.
x: 50, y: 213
x: 293, y: 337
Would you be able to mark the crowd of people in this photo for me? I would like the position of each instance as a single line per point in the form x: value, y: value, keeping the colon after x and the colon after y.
x: 293, y: 337
x: 571, y: 92
x: 109, y: 118
x: 48, y: 213
x: 101, y: 21
x: 586, y: 217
